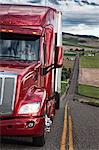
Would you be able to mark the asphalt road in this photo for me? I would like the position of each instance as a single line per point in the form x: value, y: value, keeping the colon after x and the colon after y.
x: 85, y: 126
x: 85, y: 118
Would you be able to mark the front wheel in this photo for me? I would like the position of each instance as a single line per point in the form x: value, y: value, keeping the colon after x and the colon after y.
x: 39, y: 140
x: 57, y: 100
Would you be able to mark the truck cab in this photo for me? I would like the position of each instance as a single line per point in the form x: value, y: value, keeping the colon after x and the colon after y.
x: 30, y: 69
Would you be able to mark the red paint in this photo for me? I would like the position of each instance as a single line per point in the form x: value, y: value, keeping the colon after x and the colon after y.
x: 31, y: 84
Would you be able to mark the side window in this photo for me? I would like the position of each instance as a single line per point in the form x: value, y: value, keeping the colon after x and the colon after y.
x: 44, y: 50
x: 55, y: 39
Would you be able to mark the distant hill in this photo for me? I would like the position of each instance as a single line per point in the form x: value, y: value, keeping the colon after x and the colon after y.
x: 80, y: 36
x: 82, y: 41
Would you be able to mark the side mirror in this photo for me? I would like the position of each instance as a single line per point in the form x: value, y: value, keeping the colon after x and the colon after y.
x: 58, y: 57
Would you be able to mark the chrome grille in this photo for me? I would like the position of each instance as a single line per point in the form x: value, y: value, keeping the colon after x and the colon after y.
x: 7, y: 93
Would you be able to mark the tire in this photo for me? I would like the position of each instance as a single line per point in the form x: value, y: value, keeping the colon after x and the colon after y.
x: 39, y: 140
x: 57, y: 100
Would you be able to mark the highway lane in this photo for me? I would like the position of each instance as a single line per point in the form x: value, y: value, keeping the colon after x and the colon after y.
x: 85, y: 126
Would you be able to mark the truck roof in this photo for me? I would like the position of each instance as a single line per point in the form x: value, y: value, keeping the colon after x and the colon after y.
x: 26, y: 15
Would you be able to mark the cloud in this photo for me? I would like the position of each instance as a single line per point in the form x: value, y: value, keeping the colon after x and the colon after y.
x: 81, y: 20
x: 82, y: 29
x: 76, y: 18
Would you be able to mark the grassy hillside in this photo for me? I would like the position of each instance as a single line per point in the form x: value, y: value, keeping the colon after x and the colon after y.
x: 81, y: 41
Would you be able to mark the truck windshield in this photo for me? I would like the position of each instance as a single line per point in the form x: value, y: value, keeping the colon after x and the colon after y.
x: 19, y: 46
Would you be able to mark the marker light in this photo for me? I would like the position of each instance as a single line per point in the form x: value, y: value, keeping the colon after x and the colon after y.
x: 3, y: 30
x: 34, y: 33
x: 10, y: 30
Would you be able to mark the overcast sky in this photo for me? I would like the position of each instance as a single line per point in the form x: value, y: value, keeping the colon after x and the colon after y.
x: 78, y: 17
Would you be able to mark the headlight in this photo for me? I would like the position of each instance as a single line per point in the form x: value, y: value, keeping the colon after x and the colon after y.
x: 29, y: 108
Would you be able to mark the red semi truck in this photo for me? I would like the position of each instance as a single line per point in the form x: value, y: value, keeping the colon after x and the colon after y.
x: 30, y: 69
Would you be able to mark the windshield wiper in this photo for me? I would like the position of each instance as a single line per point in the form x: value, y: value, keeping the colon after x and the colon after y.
x: 14, y: 58
x: 5, y: 56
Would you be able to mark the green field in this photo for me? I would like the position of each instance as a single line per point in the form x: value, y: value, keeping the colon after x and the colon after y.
x: 87, y: 90
x: 89, y: 61
x: 63, y: 87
